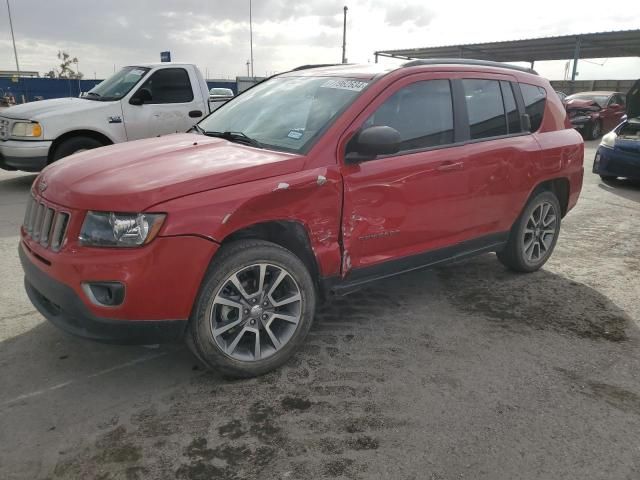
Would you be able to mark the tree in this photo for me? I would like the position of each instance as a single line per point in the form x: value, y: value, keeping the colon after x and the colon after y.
x: 65, y: 69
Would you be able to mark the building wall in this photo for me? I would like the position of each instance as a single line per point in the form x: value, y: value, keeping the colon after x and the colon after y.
x: 44, y: 88
x: 31, y: 88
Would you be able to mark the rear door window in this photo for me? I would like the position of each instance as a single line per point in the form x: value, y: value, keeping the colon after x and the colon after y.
x: 421, y: 112
x: 535, y: 99
x: 485, y: 108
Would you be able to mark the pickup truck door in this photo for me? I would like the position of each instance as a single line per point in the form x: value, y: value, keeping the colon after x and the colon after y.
x: 172, y: 105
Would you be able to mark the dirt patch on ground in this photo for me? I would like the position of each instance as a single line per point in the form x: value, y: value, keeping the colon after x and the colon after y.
x: 540, y: 300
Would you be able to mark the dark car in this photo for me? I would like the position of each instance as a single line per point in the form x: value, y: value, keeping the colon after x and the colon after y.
x: 619, y: 151
x: 592, y: 113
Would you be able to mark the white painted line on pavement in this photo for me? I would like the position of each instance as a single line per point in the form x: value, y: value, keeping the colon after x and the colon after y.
x: 87, y: 377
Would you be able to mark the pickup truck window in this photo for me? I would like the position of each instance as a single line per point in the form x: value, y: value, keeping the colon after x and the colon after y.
x: 169, y: 85
x: 117, y: 85
x: 286, y: 113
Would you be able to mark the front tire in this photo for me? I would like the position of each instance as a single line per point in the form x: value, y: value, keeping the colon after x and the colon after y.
x: 254, y: 309
x: 593, y: 131
x: 74, y: 145
x: 534, y: 235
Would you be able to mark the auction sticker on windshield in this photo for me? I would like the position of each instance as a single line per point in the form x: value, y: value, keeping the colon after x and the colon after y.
x: 354, y: 85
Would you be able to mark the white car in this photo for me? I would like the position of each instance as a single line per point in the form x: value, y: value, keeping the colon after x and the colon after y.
x: 139, y: 101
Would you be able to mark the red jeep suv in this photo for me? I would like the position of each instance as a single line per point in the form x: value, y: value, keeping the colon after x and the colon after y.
x: 311, y: 183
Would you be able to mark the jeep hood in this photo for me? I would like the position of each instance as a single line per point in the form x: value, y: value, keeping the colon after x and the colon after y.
x: 633, y: 101
x: 53, y: 107
x: 134, y: 176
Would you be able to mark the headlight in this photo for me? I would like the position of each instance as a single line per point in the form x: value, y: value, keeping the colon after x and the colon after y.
x: 109, y: 229
x: 26, y: 129
x: 609, y: 140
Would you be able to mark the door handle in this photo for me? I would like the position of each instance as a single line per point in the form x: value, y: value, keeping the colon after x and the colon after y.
x: 448, y: 166
x: 195, y: 113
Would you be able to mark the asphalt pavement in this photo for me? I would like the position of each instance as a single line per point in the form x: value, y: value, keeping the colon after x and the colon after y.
x: 465, y: 371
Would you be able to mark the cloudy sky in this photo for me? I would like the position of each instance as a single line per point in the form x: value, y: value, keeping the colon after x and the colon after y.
x: 214, y: 34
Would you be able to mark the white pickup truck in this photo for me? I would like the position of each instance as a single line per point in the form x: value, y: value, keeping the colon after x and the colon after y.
x: 139, y: 101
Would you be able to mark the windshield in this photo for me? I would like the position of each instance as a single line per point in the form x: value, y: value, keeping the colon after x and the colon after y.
x: 118, y: 85
x: 285, y: 113
x: 601, y: 100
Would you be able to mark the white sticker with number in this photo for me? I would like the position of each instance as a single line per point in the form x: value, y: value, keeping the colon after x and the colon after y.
x: 354, y: 85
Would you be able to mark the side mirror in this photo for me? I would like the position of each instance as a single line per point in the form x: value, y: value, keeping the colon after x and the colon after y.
x: 141, y: 97
x: 371, y: 142
x: 526, y: 122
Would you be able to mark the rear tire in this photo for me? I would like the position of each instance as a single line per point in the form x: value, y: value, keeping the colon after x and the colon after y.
x: 75, y: 144
x: 254, y: 309
x: 534, y: 235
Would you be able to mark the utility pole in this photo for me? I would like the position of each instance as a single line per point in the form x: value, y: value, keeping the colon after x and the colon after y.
x: 344, y: 36
x: 248, y: 63
x: 15, y: 52
x: 250, y: 36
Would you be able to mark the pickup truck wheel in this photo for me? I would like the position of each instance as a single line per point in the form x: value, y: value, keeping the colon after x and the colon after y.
x: 74, y: 145
x: 254, y: 309
x: 534, y: 235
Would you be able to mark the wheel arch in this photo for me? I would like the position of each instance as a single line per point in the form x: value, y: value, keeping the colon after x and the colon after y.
x: 101, y: 137
x: 560, y: 187
x: 290, y: 234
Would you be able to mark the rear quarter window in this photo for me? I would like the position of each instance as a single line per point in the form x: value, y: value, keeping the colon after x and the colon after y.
x: 535, y: 99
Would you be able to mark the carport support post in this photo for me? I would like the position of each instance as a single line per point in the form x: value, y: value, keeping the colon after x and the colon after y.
x: 576, y: 55
x: 376, y: 56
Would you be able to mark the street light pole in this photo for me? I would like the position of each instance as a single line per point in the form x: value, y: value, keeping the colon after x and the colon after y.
x: 344, y: 36
x: 15, y: 52
x: 250, y: 36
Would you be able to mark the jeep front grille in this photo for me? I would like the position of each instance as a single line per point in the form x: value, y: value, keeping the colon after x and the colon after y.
x: 45, y: 224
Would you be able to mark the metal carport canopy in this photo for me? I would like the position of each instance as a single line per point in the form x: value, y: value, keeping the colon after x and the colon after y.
x: 621, y: 43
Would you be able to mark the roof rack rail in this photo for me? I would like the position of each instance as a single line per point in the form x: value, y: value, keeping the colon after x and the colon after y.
x: 317, y: 65
x: 466, y: 61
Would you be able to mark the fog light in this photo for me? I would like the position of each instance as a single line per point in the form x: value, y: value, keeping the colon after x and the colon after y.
x: 104, y: 294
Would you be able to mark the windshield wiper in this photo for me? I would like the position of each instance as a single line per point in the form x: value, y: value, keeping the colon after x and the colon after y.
x: 93, y: 93
x: 237, y: 137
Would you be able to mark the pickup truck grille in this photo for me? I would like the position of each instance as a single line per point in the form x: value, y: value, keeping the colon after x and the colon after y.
x: 4, y: 128
x: 45, y: 224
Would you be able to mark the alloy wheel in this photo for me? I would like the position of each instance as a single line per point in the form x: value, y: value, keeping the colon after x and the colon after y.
x: 255, y: 312
x: 539, y: 232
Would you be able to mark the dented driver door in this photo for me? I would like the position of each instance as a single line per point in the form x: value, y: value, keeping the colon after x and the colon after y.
x: 399, y: 205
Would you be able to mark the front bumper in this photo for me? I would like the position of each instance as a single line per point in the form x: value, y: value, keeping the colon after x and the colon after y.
x: 161, y: 282
x: 613, y: 162
x: 59, y: 304
x: 29, y: 156
x: 580, y: 122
